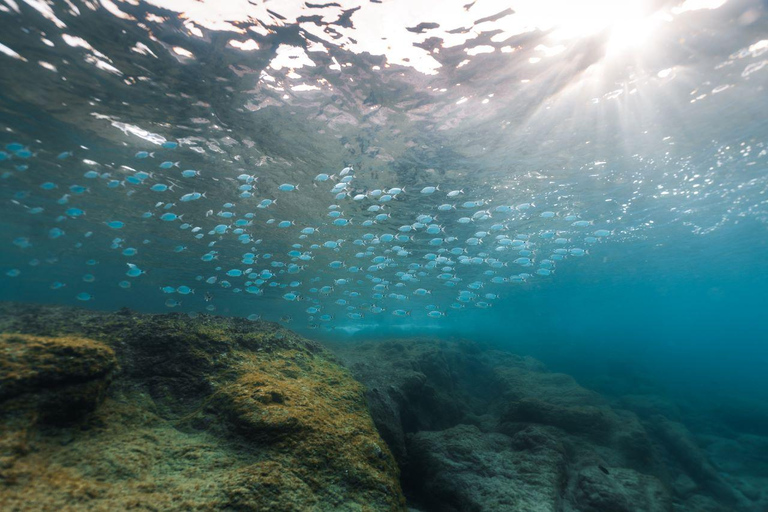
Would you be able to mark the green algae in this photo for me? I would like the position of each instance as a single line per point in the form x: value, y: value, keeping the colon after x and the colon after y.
x: 193, y: 414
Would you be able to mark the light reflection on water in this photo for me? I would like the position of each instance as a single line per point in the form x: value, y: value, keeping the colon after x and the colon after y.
x: 574, y: 142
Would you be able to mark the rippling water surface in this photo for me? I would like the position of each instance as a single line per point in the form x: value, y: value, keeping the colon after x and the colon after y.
x: 586, y: 182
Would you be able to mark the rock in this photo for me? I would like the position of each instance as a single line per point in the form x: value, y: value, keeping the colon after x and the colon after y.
x: 532, y: 395
x: 427, y: 388
x: 414, y: 385
x: 701, y: 503
x: 680, y: 444
x: 464, y: 469
x: 423, y: 390
x: 600, y: 489
x: 586, y: 419
x: 268, y: 486
x: 749, y: 416
x: 650, y: 405
x: 524, y: 378
x: 205, y: 414
x: 305, y: 405
x: 62, y: 378
x: 684, y: 486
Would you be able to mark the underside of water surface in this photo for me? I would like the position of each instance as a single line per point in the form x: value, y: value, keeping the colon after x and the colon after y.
x: 384, y: 255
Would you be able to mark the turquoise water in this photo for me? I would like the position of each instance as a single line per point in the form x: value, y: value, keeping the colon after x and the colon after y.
x: 590, y: 187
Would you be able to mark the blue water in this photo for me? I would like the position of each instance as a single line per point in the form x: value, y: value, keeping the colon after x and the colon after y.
x: 611, y: 169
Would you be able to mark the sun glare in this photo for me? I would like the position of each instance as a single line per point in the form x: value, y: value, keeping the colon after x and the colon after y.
x: 628, y: 23
x: 630, y: 26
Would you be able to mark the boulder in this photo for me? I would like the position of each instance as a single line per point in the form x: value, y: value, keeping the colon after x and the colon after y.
x: 62, y: 378
x: 204, y: 413
x: 414, y: 385
x: 464, y: 469
x: 600, y: 489
x: 681, y: 446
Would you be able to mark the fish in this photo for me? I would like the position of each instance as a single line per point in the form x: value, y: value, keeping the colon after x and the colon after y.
x: 133, y: 270
x: 192, y: 196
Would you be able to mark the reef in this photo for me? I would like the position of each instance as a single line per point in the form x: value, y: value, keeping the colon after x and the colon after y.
x: 479, y: 429
x: 128, y: 411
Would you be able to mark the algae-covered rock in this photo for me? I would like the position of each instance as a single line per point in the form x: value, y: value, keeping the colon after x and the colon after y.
x: 307, y: 407
x: 269, y: 486
x: 61, y: 377
x: 202, y: 413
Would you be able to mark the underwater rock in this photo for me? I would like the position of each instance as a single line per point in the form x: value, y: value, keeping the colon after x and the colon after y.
x: 468, y: 470
x: 418, y: 384
x: 60, y: 378
x: 743, y: 415
x: 531, y: 394
x: 599, y: 489
x: 204, y: 413
x: 587, y: 419
x: 413, y: 386
x: 650, y: 405
x: 461, y: 417
x: 679, y: 442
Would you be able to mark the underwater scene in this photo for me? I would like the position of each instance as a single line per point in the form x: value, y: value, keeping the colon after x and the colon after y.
x: 384, y: 255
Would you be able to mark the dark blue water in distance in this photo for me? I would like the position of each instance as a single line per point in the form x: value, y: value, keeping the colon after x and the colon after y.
x: 583, y: 182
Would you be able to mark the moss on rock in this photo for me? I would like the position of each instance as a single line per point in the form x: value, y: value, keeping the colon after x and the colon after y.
x: 207, y: 413
x: 59, y: 378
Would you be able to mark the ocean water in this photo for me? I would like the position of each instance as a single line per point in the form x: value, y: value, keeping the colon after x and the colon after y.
x: 583, y: 182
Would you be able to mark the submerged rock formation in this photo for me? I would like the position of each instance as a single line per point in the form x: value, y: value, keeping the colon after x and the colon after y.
x: 118, y: 411
x: 465, y: 469
x: 478, y: 429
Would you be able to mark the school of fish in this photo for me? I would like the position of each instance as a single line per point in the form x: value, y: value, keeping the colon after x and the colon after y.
x: 368, y: 255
